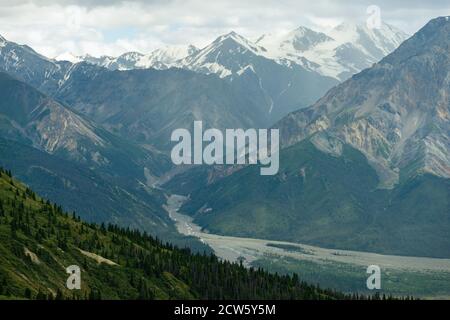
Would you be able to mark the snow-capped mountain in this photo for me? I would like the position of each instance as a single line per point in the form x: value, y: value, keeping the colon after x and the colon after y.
x: 367, y: 167
x: 68, y: 56
x: 338, y: 53
x: 24, y: 63
x: 285, y: 85
x: 289, y: 72
x: 342, y: 52
x: 396, y: 112
x: 295, y: 69
x: 228, y: 54
x: 162, y: 58
x: 125, y: 61
x: 298, y: 40
x: 166, y: 57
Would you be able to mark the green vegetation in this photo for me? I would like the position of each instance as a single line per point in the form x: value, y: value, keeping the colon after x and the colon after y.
x: 82, y: 167
x: 347, y: 277
x: 38, y: 241
x: 328, y: 201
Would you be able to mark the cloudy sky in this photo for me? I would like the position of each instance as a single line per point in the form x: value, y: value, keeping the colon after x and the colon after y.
x: 113, y: 27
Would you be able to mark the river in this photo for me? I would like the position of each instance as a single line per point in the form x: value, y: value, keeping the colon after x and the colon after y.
x: 249, y: 249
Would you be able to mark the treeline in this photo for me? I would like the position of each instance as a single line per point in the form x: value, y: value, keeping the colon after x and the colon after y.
x: 146, y: 267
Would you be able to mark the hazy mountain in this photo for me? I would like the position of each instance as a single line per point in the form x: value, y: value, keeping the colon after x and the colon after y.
x: 364, y: 168
x: 342, y: 52
x: 26, y: 64
x: 30, y: 117
x: 162, y: 58
x: 147, y: 105
x: 166, y: 57
x: 291, y: 73
x: 125, y: 61
x: 68, y: 56
x: 285, y: 86
x: 67, y: 157
x: 396, y: 113
x: 144, y: 105
x: 299, y: 40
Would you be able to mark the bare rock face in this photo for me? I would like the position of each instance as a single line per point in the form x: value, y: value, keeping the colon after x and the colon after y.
x: 30, y: 116
x: 396, y: 113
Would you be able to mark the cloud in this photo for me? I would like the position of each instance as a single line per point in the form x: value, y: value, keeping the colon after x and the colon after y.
x: 113, y: 27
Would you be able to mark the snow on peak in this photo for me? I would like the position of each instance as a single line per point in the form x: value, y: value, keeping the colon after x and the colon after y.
x: 223, y: 56
x: 131, y: 56
x: 166, y: 56
x: 345, y: 50
x: 3, y: 41
x: 386, y: 38
x: 161, y: 58
x: 68, y: 56
x: 233, y: 41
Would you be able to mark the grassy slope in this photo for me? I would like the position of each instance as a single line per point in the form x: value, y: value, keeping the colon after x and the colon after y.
x: 347, y: 277
x: 97, y: 199
x: 38, y: 241
x: 329, y: 201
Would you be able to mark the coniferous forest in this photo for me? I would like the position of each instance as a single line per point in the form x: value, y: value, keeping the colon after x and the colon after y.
x: 38, y: 241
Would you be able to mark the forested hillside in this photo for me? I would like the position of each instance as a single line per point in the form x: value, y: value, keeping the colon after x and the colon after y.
x: 38, y: 241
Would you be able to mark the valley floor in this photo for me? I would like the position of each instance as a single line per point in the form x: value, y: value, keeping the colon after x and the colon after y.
x: 339, y: 269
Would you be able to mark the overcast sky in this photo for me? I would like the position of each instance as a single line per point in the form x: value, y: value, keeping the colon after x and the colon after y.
x: 113, y: 27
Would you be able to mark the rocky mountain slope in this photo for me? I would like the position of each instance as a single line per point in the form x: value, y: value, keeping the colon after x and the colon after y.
x: 67, y: 157
x: 396, y: 113
x: 341, y: 52
x: 162, y: 58
x: 147, y: 105
x: 285, y: 86
x: 290, y: 71
x: 364, y: 168
x: 26, y: 64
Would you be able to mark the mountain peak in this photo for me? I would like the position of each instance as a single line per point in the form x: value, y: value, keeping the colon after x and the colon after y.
x: 233, y: 41
x: 433, y: 36
x: 68, y: 56
x: 303, y: 38
x: 3, y: 41
x: 233, y: 36
x: 131, y: 54
x: 303, y: 31
x: 232, y: 33
x: 438, y: 24
x: 396, y: 112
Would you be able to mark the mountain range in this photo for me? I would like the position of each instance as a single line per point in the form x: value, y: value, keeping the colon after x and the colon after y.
x: 339, y: 53
x: 364, y: 155
x: 366, y: 167
x: 290, y: 71
x: 39, y: 241
x: 68, y: 157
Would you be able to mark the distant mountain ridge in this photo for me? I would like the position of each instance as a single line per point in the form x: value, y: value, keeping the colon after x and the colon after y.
x: 162, y: 58
x: 344, y: 50
x: 290, y: 71
x: 66, y: 156
x: 233, y: 82
x: 366, y: 167
x: 341, y: 52
x: 396, y: 113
